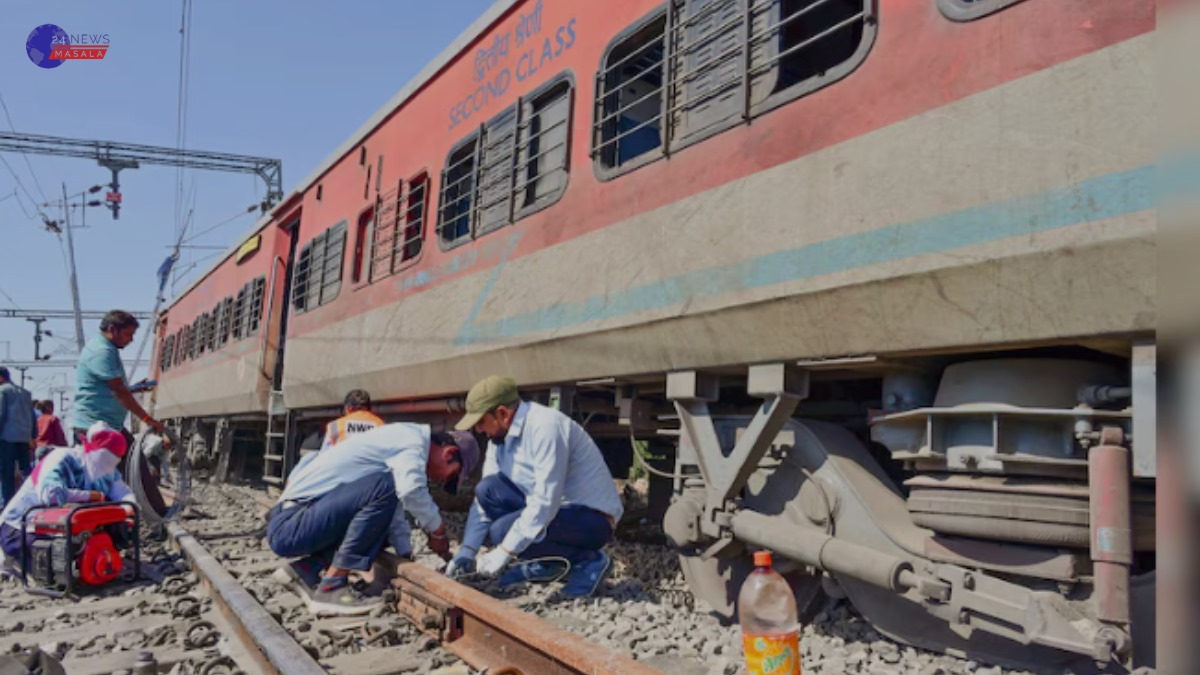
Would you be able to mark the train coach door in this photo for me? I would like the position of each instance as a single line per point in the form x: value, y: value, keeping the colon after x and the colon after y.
x: 278, y: 452
x: 292, y: 231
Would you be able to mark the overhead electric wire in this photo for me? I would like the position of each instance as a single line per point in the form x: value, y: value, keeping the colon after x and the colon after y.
x: 9, y: 297
x: 33, y: 173
x: 32, y: 200
x: 240, y: 214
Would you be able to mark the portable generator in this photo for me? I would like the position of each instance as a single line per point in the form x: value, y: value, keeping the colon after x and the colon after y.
x: 72, y: 545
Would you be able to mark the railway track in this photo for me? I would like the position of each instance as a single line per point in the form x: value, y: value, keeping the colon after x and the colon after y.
x: 207, y: 604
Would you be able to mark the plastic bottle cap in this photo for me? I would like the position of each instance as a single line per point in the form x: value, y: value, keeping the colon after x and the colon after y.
x: 762, y: 558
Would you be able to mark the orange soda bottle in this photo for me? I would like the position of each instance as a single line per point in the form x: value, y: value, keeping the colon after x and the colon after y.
x: 770, y: 628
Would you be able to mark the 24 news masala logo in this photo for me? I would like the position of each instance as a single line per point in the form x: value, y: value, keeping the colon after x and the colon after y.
x: 48, y: 46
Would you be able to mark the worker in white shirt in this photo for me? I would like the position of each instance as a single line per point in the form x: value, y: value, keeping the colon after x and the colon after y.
x: 337, y: 509
x: 546, y: 496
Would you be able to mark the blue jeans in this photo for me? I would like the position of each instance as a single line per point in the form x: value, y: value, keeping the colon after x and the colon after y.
x: 577, y: 533
x: 350, y: 522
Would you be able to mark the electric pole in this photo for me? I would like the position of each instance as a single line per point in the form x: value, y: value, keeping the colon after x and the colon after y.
x: 37, y: 337
x: 22, y: 369
x: 74, y: 278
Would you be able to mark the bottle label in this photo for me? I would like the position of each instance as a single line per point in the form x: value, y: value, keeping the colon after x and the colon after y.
x: 772, y: 654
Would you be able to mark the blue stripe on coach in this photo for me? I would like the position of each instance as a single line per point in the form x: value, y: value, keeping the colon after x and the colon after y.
x: 1107, y: 196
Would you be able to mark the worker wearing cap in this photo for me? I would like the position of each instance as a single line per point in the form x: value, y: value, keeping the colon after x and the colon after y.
x: 338, y: 510
x: 356, y: 418
x: 86, y: 473
x: 546, y: 495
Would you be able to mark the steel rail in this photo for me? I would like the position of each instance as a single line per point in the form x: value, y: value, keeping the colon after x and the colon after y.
x: 494, y: 637
x: 272, y: 649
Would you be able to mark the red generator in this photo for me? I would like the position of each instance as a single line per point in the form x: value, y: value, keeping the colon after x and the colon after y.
x: 67, y: 546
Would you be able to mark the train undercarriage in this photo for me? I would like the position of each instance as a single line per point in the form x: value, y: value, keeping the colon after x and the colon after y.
x: 996, y: 505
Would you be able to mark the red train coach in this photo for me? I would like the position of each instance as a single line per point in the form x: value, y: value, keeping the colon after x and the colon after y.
x: 875, y: 276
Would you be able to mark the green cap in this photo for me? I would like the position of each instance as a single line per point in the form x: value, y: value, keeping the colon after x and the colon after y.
x: 488, y: 393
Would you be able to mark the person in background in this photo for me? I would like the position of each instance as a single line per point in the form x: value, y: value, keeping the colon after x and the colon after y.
x: 101, y: 390
x: 16, y: 432
x: 356, y: 418
x: 86, y: 473
x: 50, y: 433
x: 339, y: 508
x: 545, y: 493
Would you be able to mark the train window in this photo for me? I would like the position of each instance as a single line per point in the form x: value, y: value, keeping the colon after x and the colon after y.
x: 222, y: 325
x: 210, y: 335
x: 225, y: 325
x: 194, y: 348
x: 458, y: 194
x: 207, y: 337
x: 168, y: 350
x: 364, y: 236
x: 497, y: 152
x: 300, y: 279
x: 318, y: 274
x: 400, y: 227
x: 968, y: 10
x: 239, y: 311
x: 214, y: 328
x: 516, y: 164
x: 201, y: 334
x: 629, y: 97
x: 723, y: 62
x: 545, y: 134
x: 409, y: 247
x: 255, y: 291
x: 316, y: 268
x: 335, y: 252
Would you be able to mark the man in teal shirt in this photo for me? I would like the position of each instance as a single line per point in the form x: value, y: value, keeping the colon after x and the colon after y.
x: 101, y: 391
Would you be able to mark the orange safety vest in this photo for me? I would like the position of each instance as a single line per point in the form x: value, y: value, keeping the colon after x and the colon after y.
x: 348, y: 425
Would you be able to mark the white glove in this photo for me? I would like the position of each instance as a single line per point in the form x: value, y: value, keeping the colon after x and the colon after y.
x: 492, y: 562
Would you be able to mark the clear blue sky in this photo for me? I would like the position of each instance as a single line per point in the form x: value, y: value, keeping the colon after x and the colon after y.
x: 278, y: 78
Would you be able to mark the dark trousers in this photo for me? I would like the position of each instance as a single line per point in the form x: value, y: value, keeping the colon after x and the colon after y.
x: 350, y: 522
x: 576, y: 533
x: 10, y: 541
x: 12, y: 456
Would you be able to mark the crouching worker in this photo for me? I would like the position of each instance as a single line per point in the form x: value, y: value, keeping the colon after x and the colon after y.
x: 338, y: 509
x: 86, y: 473
x: 546, y: 495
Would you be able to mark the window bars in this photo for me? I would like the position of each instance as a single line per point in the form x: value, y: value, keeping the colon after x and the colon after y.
x: 703, y: 66
x: 515, y: 164
x: 399, y: 227
x: 317, y: 279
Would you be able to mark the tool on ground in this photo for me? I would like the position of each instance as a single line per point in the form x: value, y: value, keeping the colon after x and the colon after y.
x: 73, y: 545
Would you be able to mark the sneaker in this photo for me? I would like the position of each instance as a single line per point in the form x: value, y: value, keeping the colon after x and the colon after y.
x: 537, y: 572
x: 585, y: 577
x: 306, y: 572
x: 341, y: 601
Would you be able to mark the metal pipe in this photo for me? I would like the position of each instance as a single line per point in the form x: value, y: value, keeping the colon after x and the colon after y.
x: 822, y: 551
x: 1112, y: 533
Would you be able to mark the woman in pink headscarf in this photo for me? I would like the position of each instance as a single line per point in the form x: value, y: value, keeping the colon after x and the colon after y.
x: 69, y: 475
